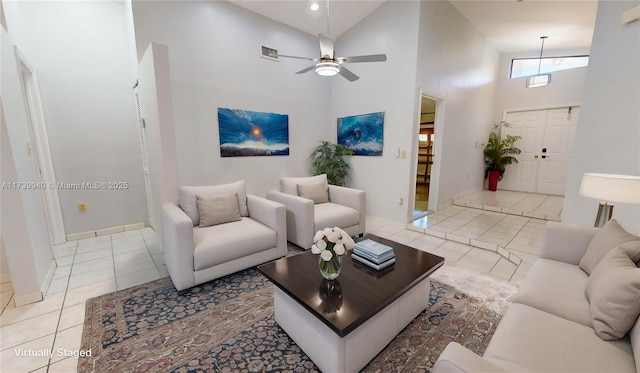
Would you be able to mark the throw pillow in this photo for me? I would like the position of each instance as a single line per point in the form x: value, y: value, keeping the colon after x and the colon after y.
x: 610, y: 236
x: 218, y: 209
x: 188, y: 203
x: 289, y: 185
x: 613, y: 290
x: 314, y: 191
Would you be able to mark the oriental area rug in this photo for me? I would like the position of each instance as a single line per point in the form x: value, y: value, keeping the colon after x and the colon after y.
x: 228, y: 325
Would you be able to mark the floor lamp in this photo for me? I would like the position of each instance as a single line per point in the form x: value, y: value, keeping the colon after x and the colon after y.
x: 610, y: 188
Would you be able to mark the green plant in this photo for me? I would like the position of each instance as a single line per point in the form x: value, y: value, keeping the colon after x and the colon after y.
x: 500, y: 153
x: 327, y: 158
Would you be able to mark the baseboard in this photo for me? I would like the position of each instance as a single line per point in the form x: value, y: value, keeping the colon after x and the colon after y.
x: 462, y: 195
x: 444, y: 206
x: 49, y: 277
x: 105, y: 231
x: 21, y: 300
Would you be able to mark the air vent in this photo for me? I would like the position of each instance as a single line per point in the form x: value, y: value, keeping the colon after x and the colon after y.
x: 269, y: 53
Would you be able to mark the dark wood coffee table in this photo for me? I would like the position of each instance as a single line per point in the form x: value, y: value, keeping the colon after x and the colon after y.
x: 343, y: 324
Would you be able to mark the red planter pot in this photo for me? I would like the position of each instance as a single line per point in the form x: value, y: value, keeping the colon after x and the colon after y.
x: 494, y: 175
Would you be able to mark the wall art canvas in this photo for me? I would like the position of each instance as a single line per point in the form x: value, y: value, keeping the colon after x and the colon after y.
x: 246, y: 133
x: 362, y: 133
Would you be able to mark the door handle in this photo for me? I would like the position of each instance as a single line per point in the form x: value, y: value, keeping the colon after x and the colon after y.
x: 535, y: 156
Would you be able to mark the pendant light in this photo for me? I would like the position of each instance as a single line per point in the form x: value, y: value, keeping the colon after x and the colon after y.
x: 539, y: 80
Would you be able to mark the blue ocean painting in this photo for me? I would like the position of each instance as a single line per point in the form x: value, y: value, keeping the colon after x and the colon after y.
x: 250, y: 133
x: 362, y: 133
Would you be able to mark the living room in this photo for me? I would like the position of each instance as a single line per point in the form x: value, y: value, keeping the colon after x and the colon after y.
x: 86, y: 57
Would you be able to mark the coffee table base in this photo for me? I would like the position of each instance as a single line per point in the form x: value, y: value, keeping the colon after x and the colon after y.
x: 329, y: 351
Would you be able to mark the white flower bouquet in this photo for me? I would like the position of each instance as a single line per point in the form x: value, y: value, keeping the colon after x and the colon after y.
x: 331, y: 244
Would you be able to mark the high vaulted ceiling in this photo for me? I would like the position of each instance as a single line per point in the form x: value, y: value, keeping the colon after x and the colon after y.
x: 510, y: 25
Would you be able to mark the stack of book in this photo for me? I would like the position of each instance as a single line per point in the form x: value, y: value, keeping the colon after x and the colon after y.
x: 374, y: 254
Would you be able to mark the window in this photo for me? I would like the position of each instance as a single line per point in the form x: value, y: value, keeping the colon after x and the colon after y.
x: 523, y: 67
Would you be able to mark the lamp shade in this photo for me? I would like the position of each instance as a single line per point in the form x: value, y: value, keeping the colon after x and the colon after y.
x: 611, y: 188
x: 538, y: 80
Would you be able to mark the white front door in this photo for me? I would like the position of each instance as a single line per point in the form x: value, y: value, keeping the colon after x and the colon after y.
x: 557, y: 149
x: 530, y: 126
x: 547, y: 145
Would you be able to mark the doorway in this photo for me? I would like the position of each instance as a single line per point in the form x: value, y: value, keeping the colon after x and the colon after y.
x: 547, y: 147
x: 39, y: 149
x: 424, y: 167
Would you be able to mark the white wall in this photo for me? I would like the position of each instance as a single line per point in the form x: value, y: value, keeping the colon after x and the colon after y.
x: 82, y: 55
x: 385, y: 86
x: 608, y: 134
x: 429, y: 45
x: 5, y: 273
x: 157, y: 112
x: 214, y: 60
x: 24, y: 228
x: 565, y: 89
x: 457, y: 61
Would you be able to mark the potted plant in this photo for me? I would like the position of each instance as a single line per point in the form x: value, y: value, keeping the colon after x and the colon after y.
x: 328, y: 159
x: 498, y: 153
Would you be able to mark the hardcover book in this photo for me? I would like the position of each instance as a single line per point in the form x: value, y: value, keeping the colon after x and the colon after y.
x: 380, y: 266
x: 373, y: 247
x: 374, y: 258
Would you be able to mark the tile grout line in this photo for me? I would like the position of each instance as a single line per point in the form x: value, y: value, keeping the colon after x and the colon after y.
x: 64, y: 298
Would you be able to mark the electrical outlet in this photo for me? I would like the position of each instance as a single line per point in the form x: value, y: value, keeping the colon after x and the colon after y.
x: 400, y: 201
x: 82, y: 207
x: 404, y: 154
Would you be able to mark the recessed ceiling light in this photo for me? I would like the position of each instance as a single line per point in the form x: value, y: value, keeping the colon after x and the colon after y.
x: 314, y: 6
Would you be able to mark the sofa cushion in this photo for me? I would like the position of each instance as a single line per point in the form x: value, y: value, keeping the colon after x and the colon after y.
x: 224, y: 242
x: 614, y: 291
x: 219, y: 209
x: 317, y: 192
x: 188, y: 202
x: 557, y: 288
x: 289, y: 185
x: 542, y: 342
x: 610, y: 236
x: 329, y: 215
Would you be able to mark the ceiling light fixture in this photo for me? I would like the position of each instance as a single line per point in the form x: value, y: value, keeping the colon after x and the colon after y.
x: 539, y: 80
x: 327, y: 68
x: 314, y: 6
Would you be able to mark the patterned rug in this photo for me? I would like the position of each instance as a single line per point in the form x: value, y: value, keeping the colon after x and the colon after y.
x: 227, y: 325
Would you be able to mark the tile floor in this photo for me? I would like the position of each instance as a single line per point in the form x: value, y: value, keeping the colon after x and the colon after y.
x: 96, y: 266
x: 541, y: 206
x: 86, y: 269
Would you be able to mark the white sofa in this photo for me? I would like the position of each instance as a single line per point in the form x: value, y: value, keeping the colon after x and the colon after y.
x: 195, y: 254
x: 342, y: 207
x: 551, y: 326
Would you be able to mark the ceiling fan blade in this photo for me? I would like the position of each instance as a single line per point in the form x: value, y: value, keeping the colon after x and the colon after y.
x: 300, y: 58
x: 307, y: 69
x: 367, y: 58
x: 348, y: 74
x: 326, y: 48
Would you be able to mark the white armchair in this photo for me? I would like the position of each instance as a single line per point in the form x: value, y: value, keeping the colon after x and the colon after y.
x: 312, y: 205
x: 209, y: 235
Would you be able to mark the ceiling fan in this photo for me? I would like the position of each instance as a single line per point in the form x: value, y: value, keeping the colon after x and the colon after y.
x: 328, y: 65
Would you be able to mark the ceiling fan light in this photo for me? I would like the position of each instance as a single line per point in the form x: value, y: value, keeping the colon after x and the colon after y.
x: 538, y: 80
x: 327, y: 68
